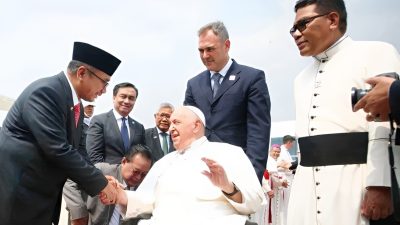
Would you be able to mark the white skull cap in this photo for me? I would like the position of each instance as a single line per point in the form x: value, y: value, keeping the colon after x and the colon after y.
x: 198, y: 113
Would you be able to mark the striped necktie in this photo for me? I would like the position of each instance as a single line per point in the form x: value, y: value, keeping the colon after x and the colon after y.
x: 216, y: 77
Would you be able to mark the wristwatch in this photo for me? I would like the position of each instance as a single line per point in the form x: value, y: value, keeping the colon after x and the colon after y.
x: 235, y: 190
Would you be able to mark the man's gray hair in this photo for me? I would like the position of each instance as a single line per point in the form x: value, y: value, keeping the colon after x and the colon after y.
x: 75, y: 64
x: 218, y: 29
x: 166, y: 105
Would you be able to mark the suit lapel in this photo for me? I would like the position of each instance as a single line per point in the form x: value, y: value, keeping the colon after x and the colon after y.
x: 131, y: 123
x: 157, y: 152
x: 118, y: 174
x: 114, y: 124
x: 70, y: 123
x: 156, y: 138
x: 231, y: 77
x: 205, y: 85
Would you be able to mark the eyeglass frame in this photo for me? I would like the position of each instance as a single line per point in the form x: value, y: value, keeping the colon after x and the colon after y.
x: 163, y: 115
x: 304, y: 22
x: 136, y: 172
x: 105, y: 82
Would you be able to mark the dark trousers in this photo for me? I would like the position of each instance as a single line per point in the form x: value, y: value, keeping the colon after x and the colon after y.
x: 388, y: 221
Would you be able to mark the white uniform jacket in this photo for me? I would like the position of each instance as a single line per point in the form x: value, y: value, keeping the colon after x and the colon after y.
x: 331, y: 195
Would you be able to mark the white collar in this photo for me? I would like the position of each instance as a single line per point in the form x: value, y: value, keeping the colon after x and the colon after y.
x: 74, y: 96
x: 159, y: 131
x: 224, y: 70
x: 195, y: 144
x: 333, y: 49
x: 118, y: 116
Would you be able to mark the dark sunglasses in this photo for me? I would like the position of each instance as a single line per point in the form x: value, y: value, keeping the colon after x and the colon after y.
x: 301, y: 25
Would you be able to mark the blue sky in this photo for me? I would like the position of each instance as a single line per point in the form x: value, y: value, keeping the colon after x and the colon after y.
x: 157, y: 42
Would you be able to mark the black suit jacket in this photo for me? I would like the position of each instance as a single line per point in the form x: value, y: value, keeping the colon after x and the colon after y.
x: 152, y: 140
x: 39, y: 151
x: 104, y: 141
x: 240, y: 112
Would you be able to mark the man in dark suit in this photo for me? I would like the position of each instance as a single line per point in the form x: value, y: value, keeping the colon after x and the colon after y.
x: 234, y: 98
x: 76, y: 200
x: 41, y: 140
x: 133, y: 168
x: 105, y: 141
x: 158, y: 138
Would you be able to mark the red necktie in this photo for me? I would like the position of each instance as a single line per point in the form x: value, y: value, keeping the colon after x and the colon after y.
x: 77, y: 112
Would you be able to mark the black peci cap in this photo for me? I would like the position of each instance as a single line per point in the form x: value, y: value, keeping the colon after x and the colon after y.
x: 95, y: 57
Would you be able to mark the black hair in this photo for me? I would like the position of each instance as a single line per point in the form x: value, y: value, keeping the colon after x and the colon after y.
x: 124, y: 85
x: 140, y: 149
x: 326, y: 6
x: 287, y: 138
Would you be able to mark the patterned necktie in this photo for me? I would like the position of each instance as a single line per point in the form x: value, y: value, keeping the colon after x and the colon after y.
x: 164, y: 143
x: 124, y: 134
x: 115, y: 217
x: 216, y: 77
x: 77, y: 112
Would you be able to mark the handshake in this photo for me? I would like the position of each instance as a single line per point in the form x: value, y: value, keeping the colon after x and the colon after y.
x: 113, y: 193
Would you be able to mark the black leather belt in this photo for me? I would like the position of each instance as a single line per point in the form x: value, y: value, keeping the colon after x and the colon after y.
x: 334, y: 149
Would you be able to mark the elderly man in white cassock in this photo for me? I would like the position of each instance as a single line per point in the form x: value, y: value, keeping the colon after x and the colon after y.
x: 201, y: 182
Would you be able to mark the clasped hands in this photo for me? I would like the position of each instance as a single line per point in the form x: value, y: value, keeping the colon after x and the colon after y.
x: 113, y: 193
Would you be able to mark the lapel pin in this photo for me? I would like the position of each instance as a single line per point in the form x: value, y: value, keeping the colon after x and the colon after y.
x: 232, y: 77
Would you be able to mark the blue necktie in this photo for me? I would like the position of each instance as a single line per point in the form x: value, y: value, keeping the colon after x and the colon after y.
x: 124, y: 134
x: 215, y: 78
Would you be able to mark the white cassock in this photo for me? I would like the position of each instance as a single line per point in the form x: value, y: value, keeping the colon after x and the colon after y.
x: 263, y: 218
x: 287, y: 158
x: 177, y: 193
x: 274, y: 213
x: 332, y: 195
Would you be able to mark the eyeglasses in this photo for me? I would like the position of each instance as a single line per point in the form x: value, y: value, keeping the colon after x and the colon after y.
x: 105, y: 82
x: 138, y: 173
x: 301, y: 25
x: 163, y: 115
